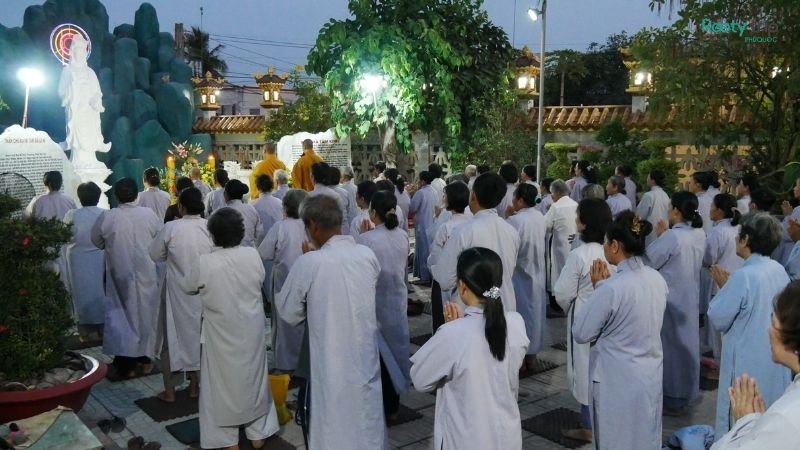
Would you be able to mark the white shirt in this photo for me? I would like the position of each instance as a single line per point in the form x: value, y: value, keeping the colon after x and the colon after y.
x: 560, y: 220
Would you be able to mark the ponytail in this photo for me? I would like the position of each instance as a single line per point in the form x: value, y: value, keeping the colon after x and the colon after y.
x: 152, y: 177
x: 384, y: 204
x: 737, y: 216
x: 727, y: 204
x: 687, y: 204
x: 481, y: 270
x: 697, y: 221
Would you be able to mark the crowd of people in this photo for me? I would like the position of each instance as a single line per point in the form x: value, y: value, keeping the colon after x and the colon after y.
x: 648, y: 283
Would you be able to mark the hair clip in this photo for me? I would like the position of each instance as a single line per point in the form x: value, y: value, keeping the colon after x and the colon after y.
x: 493, y: 293
x: 636, y: 225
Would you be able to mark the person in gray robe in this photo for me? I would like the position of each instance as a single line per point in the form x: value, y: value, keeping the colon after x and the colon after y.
x: 423, y: 204
x: 630, y: 187
x: 530, y: 273
x: 617, y: 200
x: 179, y: 244
x: 234, y: 192
x: 321, y: 173
x: 282, y: 180
x: 281, y: 248
x: 622, y: 320
x: 197, y: 180
x: 335, y: 175
x: 655, y: 204
x: 131, y: 283
x: 269, y: 208
x: 333, y: 289
x: 216, y: 198
x: 53, y: 204
x: 153, y: 197
x: 403, y: 199
x: 234, y: 387
x: 349, y: 186
x: 510, y: 175
x: 84, y: 262
x: 472, y: 362
x: 365, y: 191
x: 389, y: 242
x: 677, y: 254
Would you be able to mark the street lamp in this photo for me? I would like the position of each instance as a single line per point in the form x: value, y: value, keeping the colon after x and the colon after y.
x: 31, y: 78
x: 535, y: 15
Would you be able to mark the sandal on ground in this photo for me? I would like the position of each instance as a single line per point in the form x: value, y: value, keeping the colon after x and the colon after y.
x: 135, y: 443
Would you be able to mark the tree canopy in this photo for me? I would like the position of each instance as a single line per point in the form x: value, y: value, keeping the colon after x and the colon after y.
x: 699, y: 71
x: 198, y: 51
x: 436, y: 57
x: 310, y: 112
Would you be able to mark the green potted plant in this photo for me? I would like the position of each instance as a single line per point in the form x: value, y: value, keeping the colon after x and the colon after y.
x: 36, y: 372
x: 560, y: 167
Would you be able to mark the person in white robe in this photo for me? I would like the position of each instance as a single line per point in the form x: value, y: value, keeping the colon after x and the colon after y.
x: 234, y: 390
x: 377, y: 171
x: 349, y: 185
x: 720, y: 250
x: 741, y: 311
x: 438, y: 182
x: 388, y: 186
x: 655, y: 204
x: 622, y: 321
x: 528, y: 175
x: 281, y: 248
x: 677, y: 254
x: 530, y: 273
x: 585, y: 175
x: 131, y: 283
x: 320, y: 172
x: 403, y: 199
x: 561, y: 230
x: 572, y: 290
x: 269, y: 208
x: 425, y: 200
x: 476, y: 379
x: 456, y: 196
x: 152, y: 196
x: 180, y: 244
x: 700, y: 185
x: 197, y: 180
x: 282, y: 180
x: 793, y: 262
x: 776, y: 428
x: 630, y: 187
x: 364, y: 193
x: 85, y: 262
x: 546, y: 198
x: 509, y: 174
x: 747, y: 184
x: 617, y: 200
x: 389, y: 242
x: 333, y: 288
x: 485, y: 229
x: 335, y: 175
x: 53, y: 204
x: 783, y: 252
x: 234, y: 191
x: 216, y: 198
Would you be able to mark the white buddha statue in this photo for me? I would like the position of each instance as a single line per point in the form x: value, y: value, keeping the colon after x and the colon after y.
x: 80, y: 94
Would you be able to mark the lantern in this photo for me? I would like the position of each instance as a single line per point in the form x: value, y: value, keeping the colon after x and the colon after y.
x: 271, y: 85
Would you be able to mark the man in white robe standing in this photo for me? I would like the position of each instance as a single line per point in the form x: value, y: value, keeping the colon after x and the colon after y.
x: 333, y: 288
x: 132, y: 286
x: 234, y: 391
x: 85, y: 262
x: 561, y: 229
x: 180, y: 243
x: 530, y: 273
x: 486, y: 229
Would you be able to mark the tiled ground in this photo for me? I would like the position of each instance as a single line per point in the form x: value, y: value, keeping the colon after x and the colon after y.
x: 539, y: 394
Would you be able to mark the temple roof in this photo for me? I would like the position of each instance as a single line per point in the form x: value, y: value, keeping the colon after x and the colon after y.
x: 230, y: 124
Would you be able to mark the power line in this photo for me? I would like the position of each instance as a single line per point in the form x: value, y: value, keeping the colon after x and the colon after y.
x: 267, y: 41
x: 256, y: 53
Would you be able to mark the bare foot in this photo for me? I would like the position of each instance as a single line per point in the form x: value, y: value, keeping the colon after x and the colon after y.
x: 233, y: 447
x: 257, y: 444
x: 193, y: 390
x: 167, y: 396
x: 146, y: 369
x: 578, y: 434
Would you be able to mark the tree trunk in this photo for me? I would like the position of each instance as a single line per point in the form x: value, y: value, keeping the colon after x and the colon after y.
x: 563, y: 75
x: 389, y: 145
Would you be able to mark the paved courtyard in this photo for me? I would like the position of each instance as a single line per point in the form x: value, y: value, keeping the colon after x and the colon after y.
x: 538, y: 394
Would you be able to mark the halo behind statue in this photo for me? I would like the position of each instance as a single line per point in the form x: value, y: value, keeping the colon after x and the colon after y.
x: 19, y: 187
x: 61, y: 40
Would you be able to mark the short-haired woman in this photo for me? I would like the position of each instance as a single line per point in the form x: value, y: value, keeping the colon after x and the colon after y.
x: 233, y: 389
x: 622, y: 319
x: 234, y: 192
x: 741, y: 311
x: 152, y: 196
x: 472, y: 362
x: 775, y: 428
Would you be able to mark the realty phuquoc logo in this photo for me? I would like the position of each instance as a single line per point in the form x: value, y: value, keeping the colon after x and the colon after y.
x: 743, y: 29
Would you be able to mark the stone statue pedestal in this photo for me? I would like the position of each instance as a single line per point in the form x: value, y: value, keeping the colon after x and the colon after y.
x: 97, y: 173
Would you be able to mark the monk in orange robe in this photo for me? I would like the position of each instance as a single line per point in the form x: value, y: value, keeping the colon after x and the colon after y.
x: 268, y: 166
x: 301, y: 172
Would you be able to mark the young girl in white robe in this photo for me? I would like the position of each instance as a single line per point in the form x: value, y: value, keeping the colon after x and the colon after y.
x: 473, y: 362
x: 152, y: 196
x: 622, y: 320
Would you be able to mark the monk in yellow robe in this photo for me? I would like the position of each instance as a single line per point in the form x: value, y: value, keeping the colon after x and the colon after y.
x: 301, y: 172
x: 268, y: 166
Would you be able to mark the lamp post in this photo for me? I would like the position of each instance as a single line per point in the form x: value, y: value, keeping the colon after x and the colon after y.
x: 31, y: 78
x: 536, y: 14
x: 370, y: 84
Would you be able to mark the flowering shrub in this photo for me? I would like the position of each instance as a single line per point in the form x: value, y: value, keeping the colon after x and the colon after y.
x: 185, y: 154
x: 34, y: 305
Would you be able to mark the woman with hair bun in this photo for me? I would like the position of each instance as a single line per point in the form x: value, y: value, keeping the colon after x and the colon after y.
x: 473, y: 362
x: 152, y: 196
x: 585, y: 175
x: 677, y: 254
x: 389, y: 242
x: 622, y: 320
x: 234, y: 191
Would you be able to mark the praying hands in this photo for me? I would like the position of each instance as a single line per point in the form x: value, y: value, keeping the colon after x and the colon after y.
x: 661, y: 227
x: 452, y: 312
x: 599, y: 271
x: 719, y: 275
x: 745, y: 398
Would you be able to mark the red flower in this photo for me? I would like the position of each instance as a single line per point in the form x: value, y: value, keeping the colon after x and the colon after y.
x: 25, y: 241
x: 3, y: 329
x: 22, y: 292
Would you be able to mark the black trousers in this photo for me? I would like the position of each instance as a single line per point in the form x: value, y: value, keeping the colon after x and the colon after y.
x: 127, y: 364
x: 437, y: 307
x: 391, y: 399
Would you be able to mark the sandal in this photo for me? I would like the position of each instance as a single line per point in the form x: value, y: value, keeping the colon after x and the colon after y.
x: 135, y: 443
x: 115, y: 424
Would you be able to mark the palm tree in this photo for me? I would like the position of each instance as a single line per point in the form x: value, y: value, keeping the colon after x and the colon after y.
x: 203, y: 59
x: 568, y: 64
